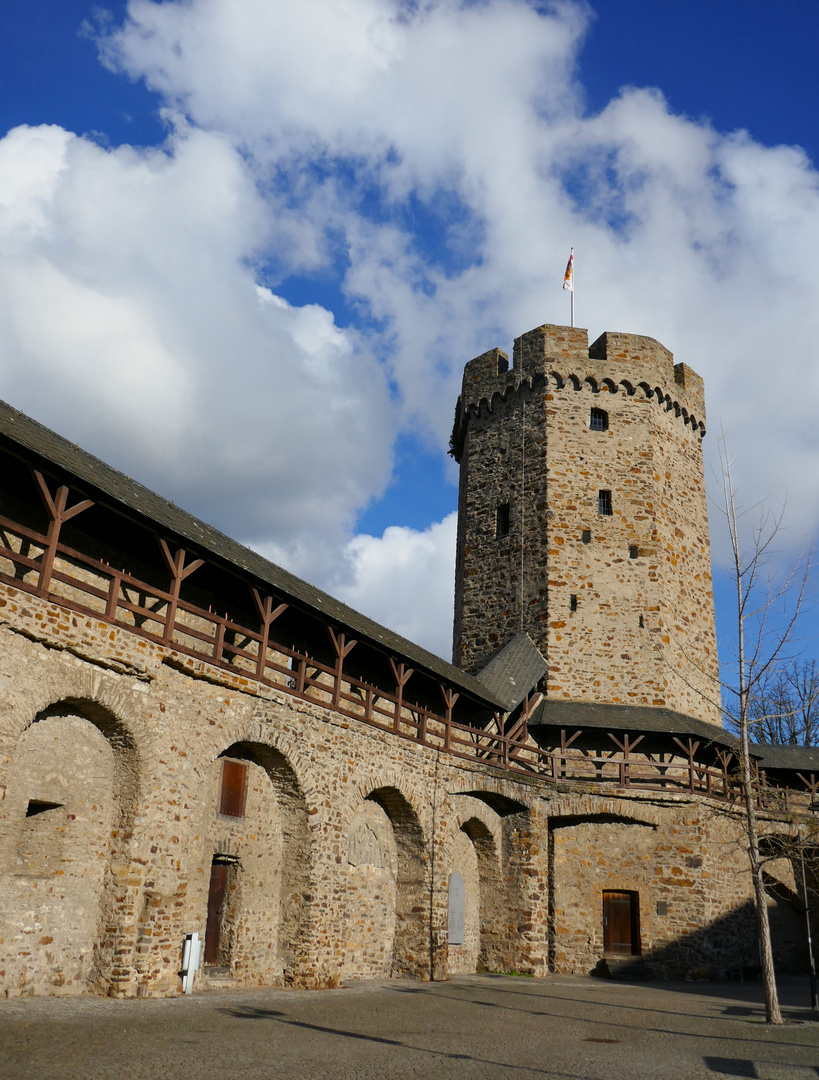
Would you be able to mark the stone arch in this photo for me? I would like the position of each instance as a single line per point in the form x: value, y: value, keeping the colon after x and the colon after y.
x: 280, y: 925
x: 73, y: 785
x: 595, y: 845
x: 411, y: 949
x: 492, y: 908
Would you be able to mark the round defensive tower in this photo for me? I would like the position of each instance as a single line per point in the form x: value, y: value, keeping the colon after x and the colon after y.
x: 582, y: 519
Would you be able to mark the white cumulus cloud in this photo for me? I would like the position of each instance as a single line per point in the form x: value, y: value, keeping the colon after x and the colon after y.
x: 436, y: 161
x: 403, y: 580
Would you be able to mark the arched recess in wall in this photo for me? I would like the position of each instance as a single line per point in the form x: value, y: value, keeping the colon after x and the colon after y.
x: 70, y: 803
x: 492, y: 910
x: 277, y: 908
x: 595, y: 853
x: 411, y: 948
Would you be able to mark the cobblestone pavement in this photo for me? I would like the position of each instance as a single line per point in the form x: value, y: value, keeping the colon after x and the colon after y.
x: 472, y: 1027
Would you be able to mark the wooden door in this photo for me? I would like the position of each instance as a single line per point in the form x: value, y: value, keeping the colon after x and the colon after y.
x: 620, y: 925
x: 217, y: 894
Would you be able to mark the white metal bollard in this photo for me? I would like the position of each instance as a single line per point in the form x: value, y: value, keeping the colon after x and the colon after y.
x: 191, y: 953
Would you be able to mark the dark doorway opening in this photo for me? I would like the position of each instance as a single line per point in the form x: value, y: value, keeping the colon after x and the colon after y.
x: 621, y: 923
x: 221, y: 898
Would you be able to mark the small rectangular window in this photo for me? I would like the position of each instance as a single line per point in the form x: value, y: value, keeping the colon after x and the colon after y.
x: 604, y: 503
x: 599, y: 420
x: 573, y: 602
x: 585, y: 536
x: 632, y: 551
x: 234, y: 781
x: 503, y: 365
x: 502, y: 520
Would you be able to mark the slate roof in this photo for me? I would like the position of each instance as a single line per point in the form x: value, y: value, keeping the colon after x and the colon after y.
x: 773, y: 756
x: 514, y: 671
x: 97, y: 479
x: 640, y: 719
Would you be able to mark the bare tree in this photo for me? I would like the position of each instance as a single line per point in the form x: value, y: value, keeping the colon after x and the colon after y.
x: 766, y: 614
x: 784, y: 707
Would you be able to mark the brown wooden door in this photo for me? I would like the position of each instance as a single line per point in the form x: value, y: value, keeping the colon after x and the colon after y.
x: 216, y: 903
x: 619, y: 923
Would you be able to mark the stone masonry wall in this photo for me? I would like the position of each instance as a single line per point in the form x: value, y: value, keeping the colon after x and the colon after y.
x: 342, y: 859
x: 620, y: 605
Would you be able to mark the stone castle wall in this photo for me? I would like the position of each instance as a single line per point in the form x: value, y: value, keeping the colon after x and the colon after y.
x: 621, y: 606
x: 342, y: 859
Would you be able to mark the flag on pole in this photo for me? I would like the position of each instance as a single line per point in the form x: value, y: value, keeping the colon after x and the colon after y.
x: 568, y: 277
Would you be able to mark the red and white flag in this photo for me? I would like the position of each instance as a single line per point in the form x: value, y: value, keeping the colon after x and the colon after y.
x: 568, y: 277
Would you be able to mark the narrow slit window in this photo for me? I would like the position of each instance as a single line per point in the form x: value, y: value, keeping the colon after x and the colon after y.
x: 573, y: 602
x: 642, y: 622
x: 632, y: 551
x: 585, y: 536
x: 599, y: 420
x: 502, y: 520
x: 604, y: 503
x: 234, y: 782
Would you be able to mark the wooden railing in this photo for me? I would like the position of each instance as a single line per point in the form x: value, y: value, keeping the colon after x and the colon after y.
x: 41, y: 564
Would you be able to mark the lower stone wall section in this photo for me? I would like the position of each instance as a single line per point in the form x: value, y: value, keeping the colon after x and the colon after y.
x: 115, y: 840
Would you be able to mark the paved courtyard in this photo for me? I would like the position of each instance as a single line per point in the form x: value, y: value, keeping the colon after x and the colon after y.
x: 472, y: 1027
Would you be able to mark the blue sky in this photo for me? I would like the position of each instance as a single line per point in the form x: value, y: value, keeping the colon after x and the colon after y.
x: 268, y: 236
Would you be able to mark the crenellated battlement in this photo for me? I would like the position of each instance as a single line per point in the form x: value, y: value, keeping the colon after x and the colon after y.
x: 561, y: 356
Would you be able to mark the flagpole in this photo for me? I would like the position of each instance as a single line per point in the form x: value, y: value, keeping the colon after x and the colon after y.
x: 568, y: 280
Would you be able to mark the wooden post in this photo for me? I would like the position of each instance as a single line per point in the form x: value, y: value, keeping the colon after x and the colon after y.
x: 58, y: 515
x: 342, y: 649
x: 219, y: 640
x: 689, y: 751
x: 176, y: 565
x: 564, y: 746
x: 267, y: 615
x: 450, y: 697
x: 402, y: 675
x: 626, y: 746
x: 113, y: 596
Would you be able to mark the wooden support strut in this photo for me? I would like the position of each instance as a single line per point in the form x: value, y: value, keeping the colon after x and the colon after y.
x: 267, y: 616
x: 58, y: 515
x: 402, y: 675
x: 176, y: 565
x: 689, y: 752
x: 342, y: 647
x: 450, y: 697
x: 812, y: 784
x: 626, y: 746
x: 519, y: 732
x: 564, y: 746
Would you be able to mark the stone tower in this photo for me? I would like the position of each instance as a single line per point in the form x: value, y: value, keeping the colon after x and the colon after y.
x: 582, y: 519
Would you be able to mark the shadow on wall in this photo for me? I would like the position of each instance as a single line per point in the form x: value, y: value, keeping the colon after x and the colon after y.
x: 725, y: 949
x: 413, y: 952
